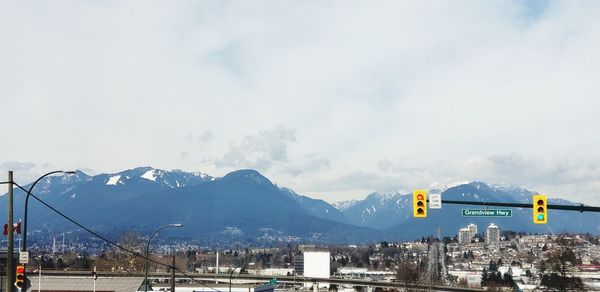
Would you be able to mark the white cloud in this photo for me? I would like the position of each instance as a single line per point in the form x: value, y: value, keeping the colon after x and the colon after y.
x: 308, y: 163
x: 17, y: 165
x: 572, y: 179
x: 259, y: 151
x: 200, y: 138
x: 436, y: 88
x: 361, y: 181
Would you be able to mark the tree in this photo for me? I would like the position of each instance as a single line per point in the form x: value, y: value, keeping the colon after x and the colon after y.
x: 334, y: 266
x: 122, y: 261
x: 407, y: 272
x: 554, y: 280
x: 560, y: 261
x: 484, y: 277
x: 493, y: 266
x: 508, y: 280
x: 132, y: 240
x: 463, y: 282
x: 76, y: 262
x: 60, y: 264
x: 494, y: 280
x: 446, y: 240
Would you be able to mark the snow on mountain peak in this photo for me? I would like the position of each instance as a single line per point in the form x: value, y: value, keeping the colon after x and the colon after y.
x: 343, y: 205
x: 438, y: 188
x: 113, y: 180
x: 200, y: 174
x: 150, y: 175
x: 384, y: 195
x: 505, y: 187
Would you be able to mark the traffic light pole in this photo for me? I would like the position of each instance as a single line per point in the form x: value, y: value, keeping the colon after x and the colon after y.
x: 580, y: 208
x: 10, y: 265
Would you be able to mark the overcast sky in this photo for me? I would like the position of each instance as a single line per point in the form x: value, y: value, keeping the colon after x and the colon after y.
x: 334, y: 99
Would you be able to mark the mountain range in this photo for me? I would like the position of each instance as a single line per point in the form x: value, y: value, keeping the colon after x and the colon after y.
x: 246, y: 206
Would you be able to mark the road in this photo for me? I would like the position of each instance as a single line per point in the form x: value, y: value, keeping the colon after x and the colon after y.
x: 209, y: 279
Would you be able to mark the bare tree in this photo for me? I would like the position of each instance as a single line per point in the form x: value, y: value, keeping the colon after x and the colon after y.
x: 117, y: 260
x: 407, y: 273
x: 561, y: 261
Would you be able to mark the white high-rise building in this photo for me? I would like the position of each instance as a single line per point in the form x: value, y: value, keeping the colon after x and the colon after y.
x: 464, y: 236
x: 473, y: 229
x: 493, y: 234
x: 314, y: 263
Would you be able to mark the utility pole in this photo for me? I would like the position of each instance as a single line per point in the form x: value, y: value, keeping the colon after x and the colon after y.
x: 173, y: 275
x: 217, y: 269
x: 10, y: 265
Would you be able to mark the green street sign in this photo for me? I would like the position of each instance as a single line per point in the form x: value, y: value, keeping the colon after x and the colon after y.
x: 273, y: 281
x: 487, y: 212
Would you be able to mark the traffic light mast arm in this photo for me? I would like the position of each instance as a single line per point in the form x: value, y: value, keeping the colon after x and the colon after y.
x: 580, y: 208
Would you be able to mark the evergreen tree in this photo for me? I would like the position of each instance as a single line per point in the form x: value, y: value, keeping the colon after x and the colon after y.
x: 484, y: 277
x: 508, y: 280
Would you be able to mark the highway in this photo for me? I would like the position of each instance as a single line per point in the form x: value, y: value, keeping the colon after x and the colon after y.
x: 209, y: 279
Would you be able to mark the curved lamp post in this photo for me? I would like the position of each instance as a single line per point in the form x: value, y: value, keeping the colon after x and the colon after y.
x: 148, y: 247
x: 231, y: 273
x: 24, y: 247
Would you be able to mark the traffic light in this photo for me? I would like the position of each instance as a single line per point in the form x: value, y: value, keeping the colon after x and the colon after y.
x: 540, y: 209
x: 420, y: 203
x: 20, y: 277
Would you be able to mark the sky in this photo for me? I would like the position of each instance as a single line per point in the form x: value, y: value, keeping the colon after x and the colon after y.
x: 334, y: 99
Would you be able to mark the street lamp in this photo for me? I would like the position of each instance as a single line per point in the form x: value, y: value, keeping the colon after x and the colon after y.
x: 148, y: 247
x: 231, y: 273
x: 24, y: 247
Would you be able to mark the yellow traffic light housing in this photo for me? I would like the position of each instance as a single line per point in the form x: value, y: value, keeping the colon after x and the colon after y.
x: 420, y: 203
x: 540, y: 209
x: 20, y: 277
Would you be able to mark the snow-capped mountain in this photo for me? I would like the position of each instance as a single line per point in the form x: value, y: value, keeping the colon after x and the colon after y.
x: 244, y: 205
x: 318, y: 208
x: 377, y: 210
x: 171, y: 179
x: 438, y: 188
x: 343, y: 205
x: 392, y: 212
x: 142, y: 198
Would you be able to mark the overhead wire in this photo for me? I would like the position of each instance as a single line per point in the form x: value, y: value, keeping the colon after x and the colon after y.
x: 136, y: 254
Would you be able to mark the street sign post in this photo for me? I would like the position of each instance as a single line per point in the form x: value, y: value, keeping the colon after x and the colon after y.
x: 486, y: 212
x: 24, y: 257
x: 435, y: 201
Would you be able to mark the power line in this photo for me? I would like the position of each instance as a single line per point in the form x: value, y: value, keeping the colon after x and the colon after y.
x: 581, y: 208
x: 136, y: 254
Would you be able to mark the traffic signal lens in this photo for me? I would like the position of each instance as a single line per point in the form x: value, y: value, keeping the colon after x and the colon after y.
x: 20, y: 277
x: 420, y: 203
x: 540, y: 210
